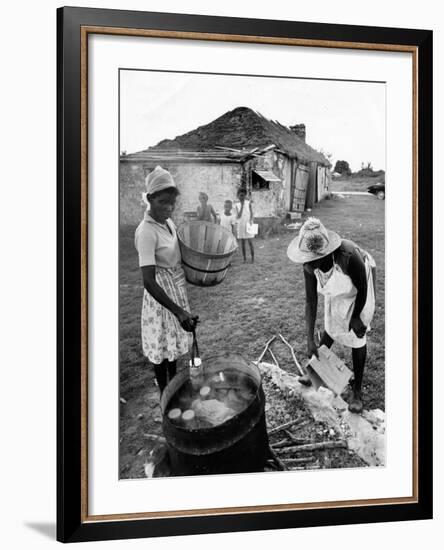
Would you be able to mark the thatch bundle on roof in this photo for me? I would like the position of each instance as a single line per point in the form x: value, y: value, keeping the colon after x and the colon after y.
x: 243, y: 128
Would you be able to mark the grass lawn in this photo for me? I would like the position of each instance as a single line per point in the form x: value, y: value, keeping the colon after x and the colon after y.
x: 259, y: 300
x: 354, y: 183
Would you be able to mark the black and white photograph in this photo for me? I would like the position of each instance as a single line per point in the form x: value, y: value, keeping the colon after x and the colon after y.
x: 251, y: 274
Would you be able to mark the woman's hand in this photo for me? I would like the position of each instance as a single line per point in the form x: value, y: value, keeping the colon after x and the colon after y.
x: 312, y: 349
x: 357, y: 326
x: 187, y: 321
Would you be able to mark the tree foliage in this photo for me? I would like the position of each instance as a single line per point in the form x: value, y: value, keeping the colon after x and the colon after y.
x: 342, y: 167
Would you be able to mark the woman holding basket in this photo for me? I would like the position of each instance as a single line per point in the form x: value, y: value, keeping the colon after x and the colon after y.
x: 166, y: 318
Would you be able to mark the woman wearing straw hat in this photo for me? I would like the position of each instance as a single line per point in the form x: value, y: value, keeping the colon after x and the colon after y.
x: 345, y: 275
x: 166, y: 317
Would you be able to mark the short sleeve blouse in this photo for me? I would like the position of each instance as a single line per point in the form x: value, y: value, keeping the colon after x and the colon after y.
x: 157, y: 243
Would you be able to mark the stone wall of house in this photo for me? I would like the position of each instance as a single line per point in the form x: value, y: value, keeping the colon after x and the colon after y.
x: 219, y: 181
x: 272, y: 202
x: 131, y: 187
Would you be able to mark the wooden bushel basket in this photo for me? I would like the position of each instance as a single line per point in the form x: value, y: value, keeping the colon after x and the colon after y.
x: 206, y: 250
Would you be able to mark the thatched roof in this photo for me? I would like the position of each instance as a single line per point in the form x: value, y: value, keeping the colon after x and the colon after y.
x: 242, y: 128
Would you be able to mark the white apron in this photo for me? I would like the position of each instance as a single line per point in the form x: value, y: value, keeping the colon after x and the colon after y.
x: 340, y: 295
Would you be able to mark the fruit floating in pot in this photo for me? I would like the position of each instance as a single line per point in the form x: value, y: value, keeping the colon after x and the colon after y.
x: 174, y: 414
x: 205, y: 391
x: 188, y: 415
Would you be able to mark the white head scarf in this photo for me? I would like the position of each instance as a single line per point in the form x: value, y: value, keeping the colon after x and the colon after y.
x: 158, y: 179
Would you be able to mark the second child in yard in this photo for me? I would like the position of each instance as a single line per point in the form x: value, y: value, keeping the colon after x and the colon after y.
x: 244, y: 214
x: 205, y: 212
x: 228, y: 219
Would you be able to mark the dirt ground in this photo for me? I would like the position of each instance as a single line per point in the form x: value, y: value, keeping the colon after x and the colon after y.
x: 254, y: 302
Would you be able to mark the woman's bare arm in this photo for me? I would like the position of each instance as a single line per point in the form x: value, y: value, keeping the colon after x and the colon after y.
x: 358, y: 275
x: 311, y: 307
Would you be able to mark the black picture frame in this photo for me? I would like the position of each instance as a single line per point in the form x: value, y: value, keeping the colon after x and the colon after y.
x: 73, y: 524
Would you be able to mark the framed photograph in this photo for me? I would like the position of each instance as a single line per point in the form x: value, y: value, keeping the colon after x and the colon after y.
x: 244, y: 308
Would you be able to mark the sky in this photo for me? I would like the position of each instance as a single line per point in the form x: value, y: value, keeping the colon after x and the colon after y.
x: 345, y: 119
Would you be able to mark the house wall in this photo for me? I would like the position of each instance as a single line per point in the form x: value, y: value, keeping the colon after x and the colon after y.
x: 270, y: 202
x: 324, y: 180
x: 131, y: 187
x: 219, y: 181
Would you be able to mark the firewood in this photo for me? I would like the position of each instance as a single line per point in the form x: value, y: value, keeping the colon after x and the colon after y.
x: 296, y: 362
x: 301, y: 460
x: 294, y: 439
x: 266, y: 348
x: 271, y: 464
x: 278, y: 461
x: 280, y: 443
x: 315, y: 446
x: 284, y: 426
x: 302, y: 425
x: 284, y: 444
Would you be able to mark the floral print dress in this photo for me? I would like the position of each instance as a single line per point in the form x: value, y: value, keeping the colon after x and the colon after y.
x: 162, y: 336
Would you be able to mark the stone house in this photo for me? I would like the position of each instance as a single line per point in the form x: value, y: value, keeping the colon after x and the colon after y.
x: 280, y: 171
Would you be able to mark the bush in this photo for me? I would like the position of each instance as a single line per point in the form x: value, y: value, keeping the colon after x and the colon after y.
x: 342, y: 167
x: 370, y: 173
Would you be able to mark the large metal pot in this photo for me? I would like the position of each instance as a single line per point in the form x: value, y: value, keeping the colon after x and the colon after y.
x: 240, y: 444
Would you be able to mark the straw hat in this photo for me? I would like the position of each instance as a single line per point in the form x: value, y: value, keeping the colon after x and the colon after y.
x: 313, y: 242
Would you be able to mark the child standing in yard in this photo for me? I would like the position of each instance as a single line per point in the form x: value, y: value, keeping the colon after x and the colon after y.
x: 244, y: 215
x: 228, y: 219
x: 205, y: 212
x: 346, y: 276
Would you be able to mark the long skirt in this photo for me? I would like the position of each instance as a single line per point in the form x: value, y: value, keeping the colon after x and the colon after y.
x: 162, y: 336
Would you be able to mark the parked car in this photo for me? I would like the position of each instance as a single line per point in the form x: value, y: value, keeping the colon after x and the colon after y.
x: 377, y: 189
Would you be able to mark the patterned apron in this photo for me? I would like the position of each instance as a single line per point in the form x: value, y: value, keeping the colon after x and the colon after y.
x: 162, y: 336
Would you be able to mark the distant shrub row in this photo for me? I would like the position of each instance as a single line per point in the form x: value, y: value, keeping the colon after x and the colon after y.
x: 342, y: 167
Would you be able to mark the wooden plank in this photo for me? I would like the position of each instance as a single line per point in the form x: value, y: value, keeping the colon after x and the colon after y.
x: 218, y: 237
x: 194, y: 229
x: 201, y: 234
x: 206, y: 275
x: 229, y: 244
x: 300, y: 191
x: 332, y: 372
x: 186, y: 234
